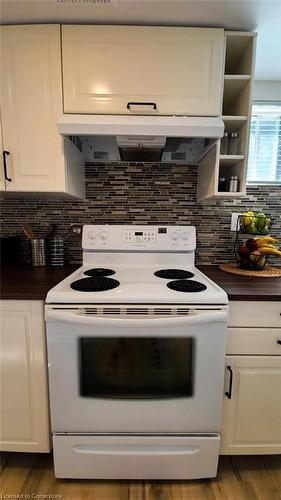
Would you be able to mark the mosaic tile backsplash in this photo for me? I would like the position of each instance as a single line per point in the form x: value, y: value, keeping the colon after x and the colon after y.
x: 141, y: 194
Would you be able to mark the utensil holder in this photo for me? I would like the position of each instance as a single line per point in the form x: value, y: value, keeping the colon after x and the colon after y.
x: 56, y: 251
x: 38, y: 252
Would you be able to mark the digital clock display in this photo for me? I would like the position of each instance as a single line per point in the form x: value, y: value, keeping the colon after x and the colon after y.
x: 138, y: 233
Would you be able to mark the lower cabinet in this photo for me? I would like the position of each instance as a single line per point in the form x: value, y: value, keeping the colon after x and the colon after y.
x: 252, y: 414
x: 252, y: 401
x: 24, y: 392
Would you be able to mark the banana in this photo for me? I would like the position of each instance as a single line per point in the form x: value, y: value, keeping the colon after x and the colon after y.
x: 265, y: 240
x: 266, y: 250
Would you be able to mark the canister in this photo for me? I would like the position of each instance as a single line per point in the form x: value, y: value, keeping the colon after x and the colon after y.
x: 56, y: 251
x: 233, y: 184
x: 38, y: 252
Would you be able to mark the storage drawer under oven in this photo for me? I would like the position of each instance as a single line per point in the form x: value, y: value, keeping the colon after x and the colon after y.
x: 135, y: 456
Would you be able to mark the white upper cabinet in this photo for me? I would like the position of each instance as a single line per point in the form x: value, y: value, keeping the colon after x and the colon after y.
x: 165, y: 71
x: 31, y: 102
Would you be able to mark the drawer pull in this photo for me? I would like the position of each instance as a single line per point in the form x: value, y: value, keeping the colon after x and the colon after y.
x: 229, y: 392
x: 153, y: 104
x: 279, y: 342
x: 5, y: 154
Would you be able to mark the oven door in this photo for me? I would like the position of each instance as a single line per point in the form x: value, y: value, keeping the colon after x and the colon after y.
x: 128, y: 373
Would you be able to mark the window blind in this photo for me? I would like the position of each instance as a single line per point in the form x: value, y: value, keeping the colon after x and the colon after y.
x: 264, y: 163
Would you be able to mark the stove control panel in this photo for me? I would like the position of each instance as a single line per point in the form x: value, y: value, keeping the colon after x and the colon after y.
x: 145, y: 236
x: 125, y: 237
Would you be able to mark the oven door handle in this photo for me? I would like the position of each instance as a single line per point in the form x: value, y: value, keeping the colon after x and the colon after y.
x: 78, y: 316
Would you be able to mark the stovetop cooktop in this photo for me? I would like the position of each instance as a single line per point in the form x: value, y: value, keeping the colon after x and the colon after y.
x: 136, y: 284
x: 97, y: 281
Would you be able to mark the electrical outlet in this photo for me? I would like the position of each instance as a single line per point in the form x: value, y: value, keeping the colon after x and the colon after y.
x: 234, y: 218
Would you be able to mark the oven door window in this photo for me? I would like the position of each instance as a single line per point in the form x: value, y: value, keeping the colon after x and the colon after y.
x: 136, y: 367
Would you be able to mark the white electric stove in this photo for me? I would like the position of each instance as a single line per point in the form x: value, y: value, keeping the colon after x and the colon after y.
x: 136, y: 358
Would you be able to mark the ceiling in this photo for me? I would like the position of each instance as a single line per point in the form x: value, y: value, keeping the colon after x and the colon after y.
x: 262, y: 16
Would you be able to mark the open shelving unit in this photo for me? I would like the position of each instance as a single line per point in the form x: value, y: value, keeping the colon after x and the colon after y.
x: 230, y: 160
x: 236, y: 114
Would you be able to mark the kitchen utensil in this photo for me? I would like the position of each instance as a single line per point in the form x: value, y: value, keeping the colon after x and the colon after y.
x: 28, y: 231
x: 38, y: 251
x: 56, y: 251
x: 50, y: 231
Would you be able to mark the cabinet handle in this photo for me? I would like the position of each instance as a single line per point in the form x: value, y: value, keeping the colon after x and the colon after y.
x: 6, y: 153
x: 279, y: 342
x: 229, y: 392
x: 153, y: 104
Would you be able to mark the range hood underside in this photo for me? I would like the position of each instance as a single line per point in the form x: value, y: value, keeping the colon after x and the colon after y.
x: 107, y: 138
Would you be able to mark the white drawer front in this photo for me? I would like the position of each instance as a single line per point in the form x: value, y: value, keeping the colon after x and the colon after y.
x: 136, y: 457
x: 255, y: 313
x: 253, y: 341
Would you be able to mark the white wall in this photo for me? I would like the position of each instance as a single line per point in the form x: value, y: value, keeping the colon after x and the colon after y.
x: 267, y: 90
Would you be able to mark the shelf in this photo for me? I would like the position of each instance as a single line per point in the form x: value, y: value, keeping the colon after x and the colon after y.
x: 239, y: 51
x: 230, y: 160
x: 236, y: 95
x: 237, y: 90
x: 251, y: 235
x: 234, y: 86
x: 237, y: 77
x: 234, y: 123
x: 229, y: 194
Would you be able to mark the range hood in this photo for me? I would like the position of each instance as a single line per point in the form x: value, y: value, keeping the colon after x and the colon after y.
x: 178, y: 139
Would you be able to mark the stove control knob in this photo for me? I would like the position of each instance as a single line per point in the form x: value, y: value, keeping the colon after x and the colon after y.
x: 103, y: 235
x: 175, y: 235
x: 185, y: 236
x: 92, y: 235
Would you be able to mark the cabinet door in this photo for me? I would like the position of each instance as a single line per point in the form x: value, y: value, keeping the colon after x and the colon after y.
x: 31, y: 100
x: 107, y: 67
x: 252, y: 416
x: 24, y: 400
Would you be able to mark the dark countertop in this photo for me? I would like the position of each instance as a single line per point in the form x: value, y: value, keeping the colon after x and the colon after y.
x: 244, y: 287
x: 24, y: 282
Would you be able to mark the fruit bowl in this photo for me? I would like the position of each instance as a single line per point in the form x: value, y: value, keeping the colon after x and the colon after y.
x: 249, y: 223
x: 252, y: 262
x: 253, y: 254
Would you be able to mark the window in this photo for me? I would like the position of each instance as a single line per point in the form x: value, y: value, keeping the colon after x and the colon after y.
x: 264, y: 164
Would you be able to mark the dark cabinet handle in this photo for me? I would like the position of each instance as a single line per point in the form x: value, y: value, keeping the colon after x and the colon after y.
x: 6, y: 153
x: 153, y: 104
x: 279, y: 342
x: 229, y: 392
